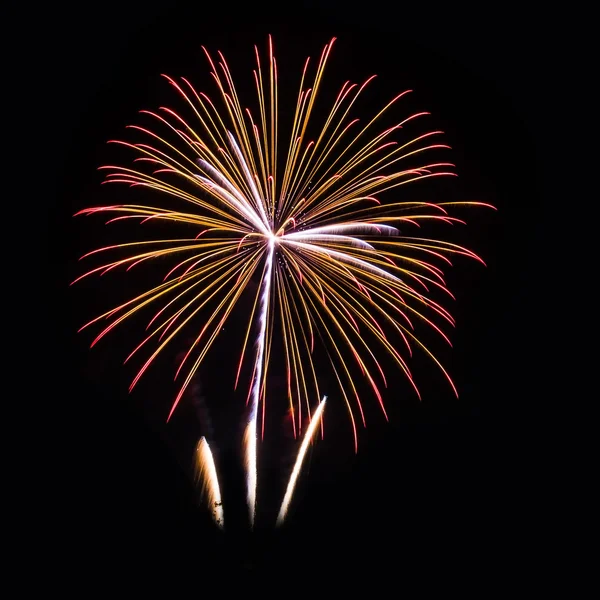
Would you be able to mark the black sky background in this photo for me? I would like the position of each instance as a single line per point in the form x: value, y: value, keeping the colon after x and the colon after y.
x: 434, y: 495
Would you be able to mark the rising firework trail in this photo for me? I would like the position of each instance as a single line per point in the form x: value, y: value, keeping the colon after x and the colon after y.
x: 206, y: 472
x: 313, y: 212
x: 250, y: 436
x: 310, y: 432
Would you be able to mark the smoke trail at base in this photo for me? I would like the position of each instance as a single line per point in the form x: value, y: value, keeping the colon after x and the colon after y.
x: 316, y: 418
x: 207, y: 472
x: 250, y: 441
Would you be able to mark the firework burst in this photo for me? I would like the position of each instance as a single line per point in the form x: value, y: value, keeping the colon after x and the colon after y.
x: 305, y: 216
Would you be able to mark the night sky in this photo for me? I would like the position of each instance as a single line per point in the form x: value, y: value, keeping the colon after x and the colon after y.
x: 429, y: 493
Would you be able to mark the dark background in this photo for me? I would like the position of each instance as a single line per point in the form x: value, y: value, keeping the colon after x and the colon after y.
x: 436, y: 497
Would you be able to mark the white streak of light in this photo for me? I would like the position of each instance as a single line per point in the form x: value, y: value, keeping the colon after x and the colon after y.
x: 329, y: 237
x: 250, y: 435
x: 355, y: 227
x: 223, y: 182
x: 207, y: 472
x: 233, y: 201
x: 298, y: 465
x: 249, y: 178
x: 342, y: 256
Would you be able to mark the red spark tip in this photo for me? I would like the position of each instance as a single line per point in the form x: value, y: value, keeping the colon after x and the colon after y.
x: 484, y: 204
